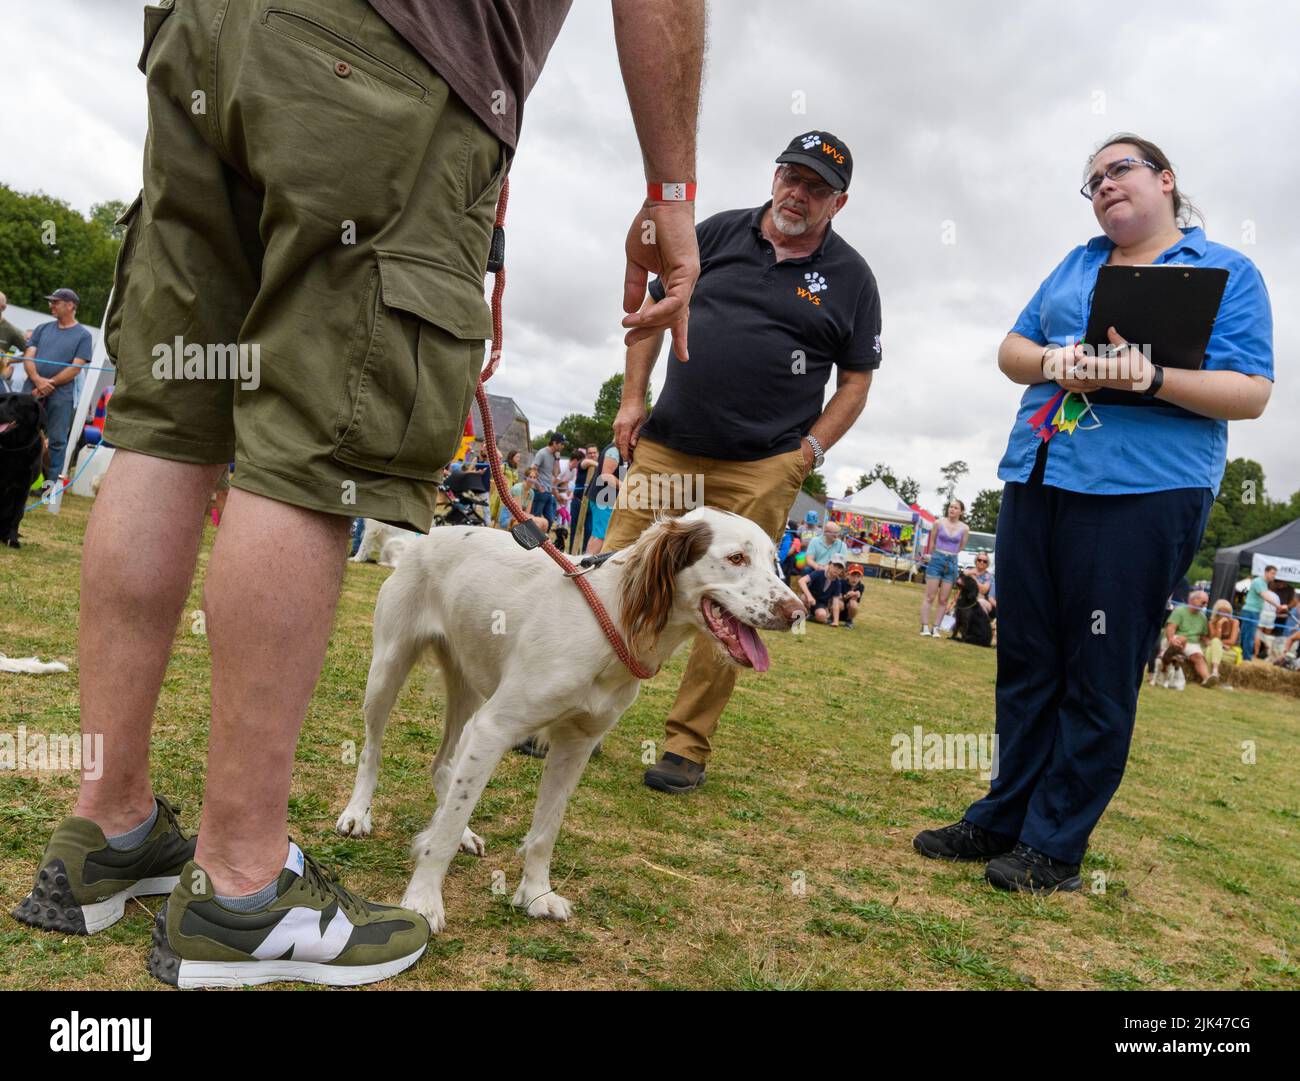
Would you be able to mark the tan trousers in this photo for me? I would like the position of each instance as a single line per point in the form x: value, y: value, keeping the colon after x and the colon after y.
x: 762, y: 491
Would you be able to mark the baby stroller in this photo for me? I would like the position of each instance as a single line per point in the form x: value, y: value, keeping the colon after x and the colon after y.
x: 463, y: 491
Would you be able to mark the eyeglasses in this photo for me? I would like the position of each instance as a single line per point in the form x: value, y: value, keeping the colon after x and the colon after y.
x: 791, y: 177
x: 1114, y: 171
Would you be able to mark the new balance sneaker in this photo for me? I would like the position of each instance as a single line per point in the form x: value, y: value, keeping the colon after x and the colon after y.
x: 1027, y: 869
x: 83, y: 885
x: 962, y: 841
x: 314, y: 931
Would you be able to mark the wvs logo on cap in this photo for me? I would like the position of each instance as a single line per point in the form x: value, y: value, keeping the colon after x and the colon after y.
x: 832, y: 153
x: 815, y: 284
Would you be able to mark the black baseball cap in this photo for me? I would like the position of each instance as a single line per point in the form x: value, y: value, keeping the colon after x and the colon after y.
x: 64, y: 294
x: 823, y: 153
x: 556, y: 437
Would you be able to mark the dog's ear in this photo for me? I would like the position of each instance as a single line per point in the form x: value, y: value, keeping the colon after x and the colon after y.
x: 650, y: 581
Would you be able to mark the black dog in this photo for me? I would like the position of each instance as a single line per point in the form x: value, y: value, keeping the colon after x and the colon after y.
x: 20, y: 460
x: 973, y: 624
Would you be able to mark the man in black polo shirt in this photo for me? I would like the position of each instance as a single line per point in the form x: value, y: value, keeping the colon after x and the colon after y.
x: 781, y: 301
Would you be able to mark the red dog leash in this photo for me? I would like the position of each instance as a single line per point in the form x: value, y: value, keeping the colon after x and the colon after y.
x: 496, y: 263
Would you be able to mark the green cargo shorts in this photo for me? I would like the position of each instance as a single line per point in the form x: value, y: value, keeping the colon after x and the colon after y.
x: 300, y: 286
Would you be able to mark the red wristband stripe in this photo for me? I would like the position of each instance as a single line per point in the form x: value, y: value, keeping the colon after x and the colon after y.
x: 676, y: 191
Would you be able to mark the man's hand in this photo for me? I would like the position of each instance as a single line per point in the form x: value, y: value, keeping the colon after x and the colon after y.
x: 661, y: 241
x: 808, y: 456
x: 627, y: 426
x: 41, y: 387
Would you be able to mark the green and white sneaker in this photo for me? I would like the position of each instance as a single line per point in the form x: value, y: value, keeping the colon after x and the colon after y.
x: 83, y: 885
x: 314, y: 931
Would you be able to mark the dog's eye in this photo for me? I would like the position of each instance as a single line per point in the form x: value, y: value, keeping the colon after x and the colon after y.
x: 737, y: 559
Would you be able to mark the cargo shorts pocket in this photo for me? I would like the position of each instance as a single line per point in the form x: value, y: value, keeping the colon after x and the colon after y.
x: 113, y: 315
x: 413, y: 366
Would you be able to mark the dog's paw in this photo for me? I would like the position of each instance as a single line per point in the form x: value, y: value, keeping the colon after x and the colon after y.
x: 472, y: 843
x: 427, y: 901
x: 542, y: 904
x: 354, y: 824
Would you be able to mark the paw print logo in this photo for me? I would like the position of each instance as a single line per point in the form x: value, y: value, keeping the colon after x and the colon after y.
x: 815, y: 282
x: 811, y: 139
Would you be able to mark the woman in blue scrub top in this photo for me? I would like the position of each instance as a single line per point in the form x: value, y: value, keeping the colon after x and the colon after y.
x: 1098, y: 523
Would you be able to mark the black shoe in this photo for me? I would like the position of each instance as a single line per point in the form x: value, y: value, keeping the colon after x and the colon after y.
x: 847, y: 623
x: 962, y: 841
x: 1036, y: 872
x: 675, y: 774
x: 531, y: 747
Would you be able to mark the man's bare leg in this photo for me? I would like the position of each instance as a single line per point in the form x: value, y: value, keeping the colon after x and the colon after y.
x: 272, y: 587
x: 137, y: 562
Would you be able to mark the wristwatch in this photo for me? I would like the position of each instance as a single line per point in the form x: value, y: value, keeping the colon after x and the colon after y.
x: 819, y: 456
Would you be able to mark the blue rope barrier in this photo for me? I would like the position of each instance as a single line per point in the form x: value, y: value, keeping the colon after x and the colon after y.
x: 54, y: 488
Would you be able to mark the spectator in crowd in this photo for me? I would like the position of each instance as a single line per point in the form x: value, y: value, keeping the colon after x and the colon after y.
x: 562, y: 498
x: 777, y: 281
x: 1257, y: 593
x: 810, y: 528
x: 56, y: 352
x: 947, y: 539
x: 547, y: 463
x: 822, y: 591
x: 988, y: 597
x: 1222, y: 637
x: 1291, y: 630
x: 822, y: 549
x: 851, y: 596
x: 500, y: 516
x: 12, y: 340
x: 601, y: 495
x: 586, y: 462
x: 525, y: 491
x: 1186, y: 630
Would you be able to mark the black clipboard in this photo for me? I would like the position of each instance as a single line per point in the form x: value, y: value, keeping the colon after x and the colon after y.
x: 1169, y: 308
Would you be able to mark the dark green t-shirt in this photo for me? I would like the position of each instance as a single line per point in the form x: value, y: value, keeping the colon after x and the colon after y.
x: 11, y: 337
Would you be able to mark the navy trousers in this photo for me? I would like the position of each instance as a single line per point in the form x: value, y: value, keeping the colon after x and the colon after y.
x: 1082, y: 586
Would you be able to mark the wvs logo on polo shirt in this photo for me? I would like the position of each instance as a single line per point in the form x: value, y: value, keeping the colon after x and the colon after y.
x: 815, y: 284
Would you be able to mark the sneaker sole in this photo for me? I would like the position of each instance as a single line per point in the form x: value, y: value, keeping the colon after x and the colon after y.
x: 166, y: 965
x: 49, y: 908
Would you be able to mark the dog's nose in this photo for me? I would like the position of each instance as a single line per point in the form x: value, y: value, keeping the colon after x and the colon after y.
x: 790, y: 610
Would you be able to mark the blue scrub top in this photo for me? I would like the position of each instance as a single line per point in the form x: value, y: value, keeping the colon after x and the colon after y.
x: 1150, y: 448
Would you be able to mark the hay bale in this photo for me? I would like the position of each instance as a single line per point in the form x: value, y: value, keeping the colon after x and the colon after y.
x: 1258, y: 676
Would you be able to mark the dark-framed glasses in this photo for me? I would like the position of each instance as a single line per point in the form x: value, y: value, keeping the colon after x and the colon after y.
x: 791, y: 177
x: 1114, y: 171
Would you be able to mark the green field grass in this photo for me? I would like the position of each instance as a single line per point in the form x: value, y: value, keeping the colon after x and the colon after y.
x: 791, y: 868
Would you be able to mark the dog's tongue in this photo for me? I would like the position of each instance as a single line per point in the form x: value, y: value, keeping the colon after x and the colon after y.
x: 753, y: 646
x: 6, y: 426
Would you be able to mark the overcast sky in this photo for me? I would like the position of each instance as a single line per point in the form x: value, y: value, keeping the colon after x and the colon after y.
x: 981, y: 115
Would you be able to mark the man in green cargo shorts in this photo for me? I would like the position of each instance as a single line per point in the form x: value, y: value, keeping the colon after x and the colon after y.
x: 300, y: 291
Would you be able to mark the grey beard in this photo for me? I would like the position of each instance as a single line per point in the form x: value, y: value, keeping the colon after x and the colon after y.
x: 789, y: 228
